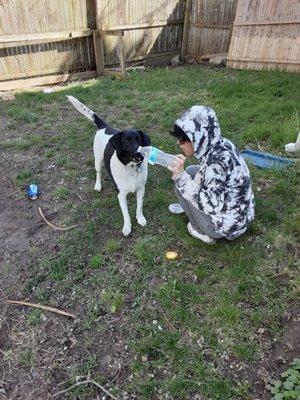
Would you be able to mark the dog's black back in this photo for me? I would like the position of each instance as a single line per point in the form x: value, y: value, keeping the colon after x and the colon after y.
x: 109, y: 130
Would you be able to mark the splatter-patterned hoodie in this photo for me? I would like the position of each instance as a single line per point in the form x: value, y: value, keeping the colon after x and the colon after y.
x: 222, y: 186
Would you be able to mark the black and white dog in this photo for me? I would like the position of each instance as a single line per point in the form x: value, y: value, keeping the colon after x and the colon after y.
x: 125, y: 165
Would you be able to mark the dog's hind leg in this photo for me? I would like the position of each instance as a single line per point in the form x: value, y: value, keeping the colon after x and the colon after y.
x: 98, y: 166
x: 122, y: 196
x: 139, y: 206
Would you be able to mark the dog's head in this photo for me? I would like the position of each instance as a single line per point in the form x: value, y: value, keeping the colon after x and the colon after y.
x: 126, y: 144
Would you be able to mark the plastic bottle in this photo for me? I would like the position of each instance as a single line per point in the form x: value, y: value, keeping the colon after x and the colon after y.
x: 156, y: 156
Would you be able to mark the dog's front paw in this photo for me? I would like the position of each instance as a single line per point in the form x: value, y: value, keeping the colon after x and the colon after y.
x: 141, y: 220
x: 126, y: 229
x: 97, y: 187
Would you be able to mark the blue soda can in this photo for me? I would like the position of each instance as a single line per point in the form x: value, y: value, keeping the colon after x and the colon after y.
x: 32, y: 191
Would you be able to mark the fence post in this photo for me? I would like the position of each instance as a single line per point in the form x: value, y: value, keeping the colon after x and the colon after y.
x: 98, y: 41
x: 185, y: 31
x: 121, y: 53
x: 99, y: 52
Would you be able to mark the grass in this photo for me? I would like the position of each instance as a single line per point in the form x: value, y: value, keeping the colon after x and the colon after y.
x: 61, y: 193
x: 34, y: 317
x: 97, y: 261
x: 209, y: 303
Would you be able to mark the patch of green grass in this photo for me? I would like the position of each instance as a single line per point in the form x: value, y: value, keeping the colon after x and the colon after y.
x: 61, y: 192
x: 225, y: 312
x: 112, y: 245
x: 113, y: 300
x: 34, y: 317
x: 42, y: 295
x: 65, y: 161
x: 296, y: 222
x: 27, y: 142
x: 145, y: 250
x: 97, y: 261
x: 22, y: 115
x: 26, y: 358
x: 24, y: 177
x: 58, y: 266
x: 246, y: 351
x: 211, y: 300
x: 71, y: 174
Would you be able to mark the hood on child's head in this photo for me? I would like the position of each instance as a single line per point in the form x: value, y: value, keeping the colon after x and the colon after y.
x: 201, y: 125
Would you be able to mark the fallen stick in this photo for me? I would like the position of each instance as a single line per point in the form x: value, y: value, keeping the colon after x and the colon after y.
x: 53, y: 226
x: 85, y: 383
x: 84, y: 201
x: 55, y: 310
x: 169, y: 323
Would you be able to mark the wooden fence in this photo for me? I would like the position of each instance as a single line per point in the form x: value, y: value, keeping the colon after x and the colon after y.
x: 51, y: 41
x: 47, y: 37
x: 210, y: 25
x: 266, y: 35
x: 149, y: 28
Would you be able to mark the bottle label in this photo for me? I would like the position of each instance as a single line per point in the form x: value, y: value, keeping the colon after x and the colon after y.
x: 153, y: 155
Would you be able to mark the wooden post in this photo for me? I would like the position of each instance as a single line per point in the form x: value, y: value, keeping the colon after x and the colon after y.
x: 99, y: 52
x: 121, y: 53
x: 185, y: 31
x: 98, y: 40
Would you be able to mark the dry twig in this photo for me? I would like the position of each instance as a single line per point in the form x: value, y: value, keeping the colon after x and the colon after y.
x: 166, y: 319
x: 85, y: 383
x: 53, y: 226
x: 55, y: 310
x: 84, y: 201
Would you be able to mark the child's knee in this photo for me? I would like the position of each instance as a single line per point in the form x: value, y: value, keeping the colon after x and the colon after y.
x: 192, y: 170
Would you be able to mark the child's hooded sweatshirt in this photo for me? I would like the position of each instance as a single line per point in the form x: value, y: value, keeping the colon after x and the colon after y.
x: 222, y: 186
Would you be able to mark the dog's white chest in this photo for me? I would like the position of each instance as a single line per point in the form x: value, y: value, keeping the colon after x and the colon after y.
x: 128, y: 178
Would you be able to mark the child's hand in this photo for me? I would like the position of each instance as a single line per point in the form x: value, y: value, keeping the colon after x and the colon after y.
x: 177, y: 166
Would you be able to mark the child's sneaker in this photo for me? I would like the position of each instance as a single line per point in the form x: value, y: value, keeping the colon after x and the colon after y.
x: 175, y: 208
x: 197, y: 235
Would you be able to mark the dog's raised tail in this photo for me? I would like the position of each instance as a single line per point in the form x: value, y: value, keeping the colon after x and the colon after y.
x: 84, y: 110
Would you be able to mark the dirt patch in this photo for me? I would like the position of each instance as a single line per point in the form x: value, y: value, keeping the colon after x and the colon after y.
x: 275, y: 358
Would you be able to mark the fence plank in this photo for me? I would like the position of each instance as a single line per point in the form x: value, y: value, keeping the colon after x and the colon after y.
x: 135, y: 27
x: 185, y: 32
x: 45, y: 80
x: 33, y: 37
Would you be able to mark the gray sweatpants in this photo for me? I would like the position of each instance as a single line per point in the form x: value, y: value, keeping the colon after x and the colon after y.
x: 199, y: 221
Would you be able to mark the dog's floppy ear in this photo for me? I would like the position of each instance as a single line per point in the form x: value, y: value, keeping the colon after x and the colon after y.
x: 145, y: 138
x: 115, y: 141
